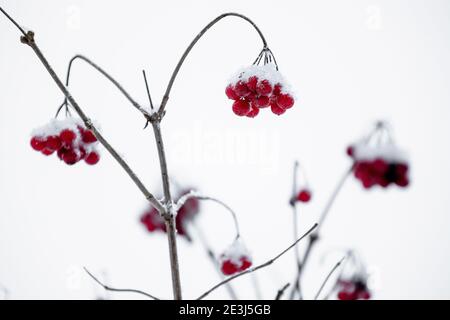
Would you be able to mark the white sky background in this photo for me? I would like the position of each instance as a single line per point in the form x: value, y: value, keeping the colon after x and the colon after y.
x: 350, y: 62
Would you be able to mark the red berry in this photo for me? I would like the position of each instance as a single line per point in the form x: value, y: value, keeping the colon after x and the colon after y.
x: 231, y: 94
x: 241, y: 89
x: 380, y: 166
x: 246, y: 263
x: 241, y: 107
x: 37, y: 143
x: 276, y: 90
x: 276, y: 109
x: 264, y: 88
x: 92, y: 158
x: 285, y: 100
x: 47, y: 152
x: 350, y: 151
x: 262, y: 101
x: 53, y: 143
x: 253, y: 112
x: 70, y: 157
x: 88, y: 136
x: 364, y: 295
x: 304, y: 196
x: 344, y: 295
x: 251, y: 83
x: 67, y: 136
x: 228, y: 267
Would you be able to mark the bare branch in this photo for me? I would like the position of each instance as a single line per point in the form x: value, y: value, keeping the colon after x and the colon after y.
x: 328, y: 277
x: 107, y: 76
x: 28, y: 39
x: 281, y: 291
x: 13, y: 21
x: 169, y: 213
x: 194, y: 194
x: 265, y: 264
x: 119, y: 290
x: 192, y: 44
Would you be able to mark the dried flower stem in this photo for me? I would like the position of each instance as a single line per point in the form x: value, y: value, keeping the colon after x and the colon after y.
x: 108, y: 288
x: 265, y: 264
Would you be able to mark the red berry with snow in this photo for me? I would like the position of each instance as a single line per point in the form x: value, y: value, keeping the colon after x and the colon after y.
x: 241, y: 89
x: 37, y: 143
x: 241, y: 107
x: 67, y: 136
x: 235, y: 259
x: 264, y: 88
x: 87, y: 136
x: 92, y: 158
x: 231, y: 94
x: 53, y: 143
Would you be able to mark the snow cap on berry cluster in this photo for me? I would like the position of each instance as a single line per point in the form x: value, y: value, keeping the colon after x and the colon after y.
x: 234, y: 253
x: 265, y: 72
x: 388, y: 152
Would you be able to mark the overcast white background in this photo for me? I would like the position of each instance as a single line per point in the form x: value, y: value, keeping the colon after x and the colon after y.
x: 350, y: 62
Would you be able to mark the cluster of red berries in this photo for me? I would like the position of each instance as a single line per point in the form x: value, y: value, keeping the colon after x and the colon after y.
x: 235, y: 259
x: 70, y: 139
x: 153, y: 221
x: 258, y: 87
x: 353, y: 290
x: 379, y: 168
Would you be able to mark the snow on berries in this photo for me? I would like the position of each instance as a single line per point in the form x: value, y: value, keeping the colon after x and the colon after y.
x: 353, y: 289
x: 380, y: 165
x: 257, y: 87
x: 235, y: 258
x: 153, y: 221
x: 69, y: 139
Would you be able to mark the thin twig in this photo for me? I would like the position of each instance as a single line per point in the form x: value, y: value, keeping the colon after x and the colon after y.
x: 194, y: 194
x: 315, y: 236
x: 148, y: 90
x: 297, y: 284
x: 281, y: 291
x: 328, y: 277
x: 212, y: 257
x: 107, y: 76
x: 192, y: 44
x: 265, y: 264
x: 119, y: 290
x: 28, y: 39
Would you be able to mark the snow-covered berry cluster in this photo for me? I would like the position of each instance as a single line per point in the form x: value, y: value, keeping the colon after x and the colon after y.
x: 69, y: 138
x: 153, y: 221
x: 235, y: 258
x: 355, y: 289
x: 257, y: 87
x: 379, y: 165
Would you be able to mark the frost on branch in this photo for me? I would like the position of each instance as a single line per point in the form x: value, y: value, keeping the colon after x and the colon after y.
x: 190, y: 208
x: 69, y: 138
x: 259, y: 86
x: 235, y: 258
